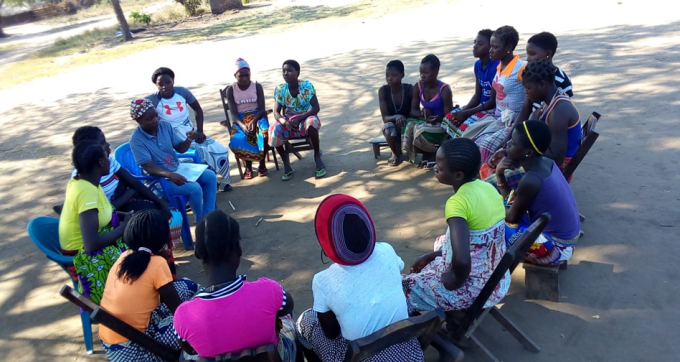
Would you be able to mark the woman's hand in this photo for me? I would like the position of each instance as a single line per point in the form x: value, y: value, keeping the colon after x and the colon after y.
x: 177, y: 179
x: 200, y: 137
x: 426, y: 113
x: 192, y: 136
x: 506, y: 164
x: 400, y: 120
x: 496, y: 158
x: 420, y: 263
x: 250, y: 129
x: 448, y: 279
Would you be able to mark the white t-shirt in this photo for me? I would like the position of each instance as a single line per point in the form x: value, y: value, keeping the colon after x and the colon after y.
x: 364, y: 297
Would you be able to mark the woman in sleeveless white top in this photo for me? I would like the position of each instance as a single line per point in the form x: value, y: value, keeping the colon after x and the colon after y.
x: 249, y: 132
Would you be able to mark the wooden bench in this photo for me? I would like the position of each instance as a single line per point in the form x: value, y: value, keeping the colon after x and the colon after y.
x: 543, y: 280
x: 378, y: 143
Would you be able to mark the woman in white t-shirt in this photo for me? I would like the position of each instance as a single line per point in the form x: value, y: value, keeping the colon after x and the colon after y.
x: 357, y: 295
x: 172, y: 104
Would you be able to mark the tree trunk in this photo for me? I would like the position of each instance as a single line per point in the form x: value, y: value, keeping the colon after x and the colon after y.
x: 220, y: 6
x: 124, y: 27
x: 2, y: 33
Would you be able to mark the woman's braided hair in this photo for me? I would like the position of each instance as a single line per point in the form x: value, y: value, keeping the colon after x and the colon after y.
x: 146, y: 228
x: 217, y: 236
x: 85, y: 133
x: 86, y: 155
x: 539, y: 70
x: 507, y: 35
x: 432, y: 60
x: 546, y: 41
x: 462, y: 155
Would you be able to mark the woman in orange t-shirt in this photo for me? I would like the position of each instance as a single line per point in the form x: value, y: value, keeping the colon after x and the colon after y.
x: 139, y: 289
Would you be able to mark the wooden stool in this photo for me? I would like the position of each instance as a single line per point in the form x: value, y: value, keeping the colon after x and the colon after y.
x: 378, y: 143
x: 543, y: 279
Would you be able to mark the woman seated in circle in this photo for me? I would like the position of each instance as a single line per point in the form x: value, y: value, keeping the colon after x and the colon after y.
x: 459, y: 120
x: 296, y: 115
x: 542, y: 189
x: 557, y: 111
x: 140, y: 290
x: 544, y: 46
x: 257, y: 313
x: 357, y: 295
x: 508, y: 94
x: 435, y: 96
x: 250, y: 130
x: 395, y: 107
x: 172, y: 105
x: 124, y: 191
x: 154, y: 143
x: 89, y: 229
x: 453, y: 275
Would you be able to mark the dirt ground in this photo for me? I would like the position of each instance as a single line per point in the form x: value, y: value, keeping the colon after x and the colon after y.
x: 619, y: 295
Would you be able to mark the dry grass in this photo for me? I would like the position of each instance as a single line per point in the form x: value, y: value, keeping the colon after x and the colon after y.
x: 100, y: 45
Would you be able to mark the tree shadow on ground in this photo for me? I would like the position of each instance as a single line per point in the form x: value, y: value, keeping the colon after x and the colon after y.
x: 406, y: 204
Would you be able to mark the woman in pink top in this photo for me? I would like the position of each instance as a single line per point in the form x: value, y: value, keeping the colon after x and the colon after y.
x: 232, y: 314
x: 249, y: 132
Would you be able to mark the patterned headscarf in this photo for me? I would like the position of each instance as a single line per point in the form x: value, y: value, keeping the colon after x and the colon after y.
x: 345, y: 230
x: 241, y: 64
x: 139, y: 106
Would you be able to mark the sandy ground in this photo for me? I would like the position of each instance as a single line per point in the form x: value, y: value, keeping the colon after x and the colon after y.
x: 621, y: 58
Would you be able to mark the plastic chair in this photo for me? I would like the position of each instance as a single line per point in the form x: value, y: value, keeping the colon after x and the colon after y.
x: 123, y: 154
x: 44, y: 231
x: 192, y: 154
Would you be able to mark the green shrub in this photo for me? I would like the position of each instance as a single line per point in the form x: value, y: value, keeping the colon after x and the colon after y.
x: 141, y: 17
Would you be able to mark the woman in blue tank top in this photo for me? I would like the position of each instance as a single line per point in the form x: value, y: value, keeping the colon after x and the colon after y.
x: 424, y: 132
x: 542, y: 189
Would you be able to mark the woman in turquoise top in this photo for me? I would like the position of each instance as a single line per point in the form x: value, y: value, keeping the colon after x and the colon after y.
x: 296, y: 115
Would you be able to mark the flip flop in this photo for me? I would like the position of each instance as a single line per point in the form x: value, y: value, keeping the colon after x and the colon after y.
x: 287, y: 176
x: 422, y: 164
x: 394, y: 161
x: 262, y: 172
x: 430, y: 166
x: 248, y: 175
x: 320, y: 173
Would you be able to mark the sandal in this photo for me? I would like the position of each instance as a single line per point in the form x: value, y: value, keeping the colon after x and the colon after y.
x: 262, y: 171
x: 422, y: 164
x: 248, y: 175
x: 287, y: 176
x: 320, y: 173
x: 394, y: 161
x: 430, y: 166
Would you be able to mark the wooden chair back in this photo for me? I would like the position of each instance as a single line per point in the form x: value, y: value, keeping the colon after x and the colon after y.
x: 588, y: 138
x: 510, y: 260
x: 225, y: 105
x: 266, y: 353
x: 78, y: 299
x: 135, y: 335
x: 422, y: 327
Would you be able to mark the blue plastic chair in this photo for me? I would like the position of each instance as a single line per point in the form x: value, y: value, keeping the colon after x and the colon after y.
x: 123, y: 154
x: 192, y: 154
x: 44, y: 231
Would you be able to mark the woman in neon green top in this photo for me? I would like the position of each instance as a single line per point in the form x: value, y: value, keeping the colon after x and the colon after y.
x: 89, y: 228
x: 454, y: 274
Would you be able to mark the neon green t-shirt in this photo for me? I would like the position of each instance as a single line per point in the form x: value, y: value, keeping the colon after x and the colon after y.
x: 81, y: 195
x: 479, y: 203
